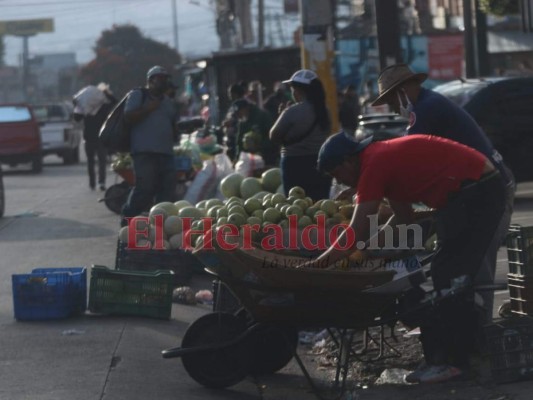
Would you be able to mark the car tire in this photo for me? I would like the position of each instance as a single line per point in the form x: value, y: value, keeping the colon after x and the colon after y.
x: 71, y: 157
x: 37, y: 164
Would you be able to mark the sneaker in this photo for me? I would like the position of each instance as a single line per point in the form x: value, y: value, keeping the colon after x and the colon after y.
x: 102, y: 188
x: 414, y: 377
x: 439, y: 373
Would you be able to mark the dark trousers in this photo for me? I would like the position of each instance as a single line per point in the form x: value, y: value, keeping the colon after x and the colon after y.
x: 155, y: 181
x: 465, y: 228
x: 96, y: 150
x: 301, y: 171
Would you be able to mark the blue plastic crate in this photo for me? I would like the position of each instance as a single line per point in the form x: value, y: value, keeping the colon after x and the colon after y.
x: 182, y: 163
x: 78, y: 285
x: 42, y: 296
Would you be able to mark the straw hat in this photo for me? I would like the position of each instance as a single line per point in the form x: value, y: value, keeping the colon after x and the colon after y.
x: 393, y: 76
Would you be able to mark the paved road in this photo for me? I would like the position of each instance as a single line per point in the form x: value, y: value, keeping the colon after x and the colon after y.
x: 54, y: 220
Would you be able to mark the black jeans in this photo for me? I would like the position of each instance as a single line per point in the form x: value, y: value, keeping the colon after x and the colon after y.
x: 92, y: 150
x: 155, y: 180
x: 465, y: 228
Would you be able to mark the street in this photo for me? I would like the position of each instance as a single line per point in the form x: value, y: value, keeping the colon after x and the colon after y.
x: 53, y: 219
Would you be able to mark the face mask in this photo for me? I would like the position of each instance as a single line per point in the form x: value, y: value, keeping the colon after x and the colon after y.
x: 408, y: 109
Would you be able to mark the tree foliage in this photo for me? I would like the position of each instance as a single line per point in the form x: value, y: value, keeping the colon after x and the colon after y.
x: 499, y: 7
x: 123, y: 56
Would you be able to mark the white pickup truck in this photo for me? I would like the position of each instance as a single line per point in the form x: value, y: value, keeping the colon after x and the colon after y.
x: 60, y: 134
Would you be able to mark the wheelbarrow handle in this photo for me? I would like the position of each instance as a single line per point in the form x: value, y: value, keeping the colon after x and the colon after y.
x: 182, y: 351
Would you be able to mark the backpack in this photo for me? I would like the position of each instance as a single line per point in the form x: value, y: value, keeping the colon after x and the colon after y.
x: 115, y: 132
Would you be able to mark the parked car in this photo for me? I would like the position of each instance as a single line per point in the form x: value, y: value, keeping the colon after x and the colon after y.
x: 60, y: 134
x: 503, y: 107
x: 20, y: 137
x: 381, y: 126
x: 2, y: 196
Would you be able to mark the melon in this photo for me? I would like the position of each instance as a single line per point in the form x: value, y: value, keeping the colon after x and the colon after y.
x: 271, y: 179
x: 231, y: 184
x: 249, y: 187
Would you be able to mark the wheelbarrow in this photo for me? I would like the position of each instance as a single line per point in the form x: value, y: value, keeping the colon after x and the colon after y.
x: 220, y: 349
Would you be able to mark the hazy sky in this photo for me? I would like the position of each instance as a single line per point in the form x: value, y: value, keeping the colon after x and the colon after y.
x: 79, y: 23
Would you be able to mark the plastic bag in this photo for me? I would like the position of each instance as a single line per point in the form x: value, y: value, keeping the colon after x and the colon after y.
x: 248, y: 163
x: 190, y: 149
x: 206, y: 182
x: 89, y: 100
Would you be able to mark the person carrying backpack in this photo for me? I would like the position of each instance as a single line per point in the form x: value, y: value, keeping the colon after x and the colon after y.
x: 152, y: 117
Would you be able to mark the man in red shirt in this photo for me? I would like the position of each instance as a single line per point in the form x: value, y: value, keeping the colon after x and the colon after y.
x: 463, y: 187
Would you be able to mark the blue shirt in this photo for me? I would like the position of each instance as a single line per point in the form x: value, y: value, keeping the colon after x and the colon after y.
x: 434, y: 114
x: 155, y: 133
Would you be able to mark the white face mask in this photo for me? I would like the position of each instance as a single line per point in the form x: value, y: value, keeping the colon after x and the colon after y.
x: 408, y: 109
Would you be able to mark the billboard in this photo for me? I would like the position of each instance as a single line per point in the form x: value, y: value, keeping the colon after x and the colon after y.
x: 26, y: 27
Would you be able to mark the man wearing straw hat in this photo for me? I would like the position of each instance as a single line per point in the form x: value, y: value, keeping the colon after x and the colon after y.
x: 431, y: 113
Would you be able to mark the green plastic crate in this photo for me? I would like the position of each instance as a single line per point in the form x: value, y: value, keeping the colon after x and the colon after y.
x: 138, y: 293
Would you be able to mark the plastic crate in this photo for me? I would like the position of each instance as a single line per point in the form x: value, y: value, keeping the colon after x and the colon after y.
x: 519, y: 246
x: 78, y: 285
x: 42, y: 296
x: 138, y: 293
x: 509, y: 346
x: 181, y: 262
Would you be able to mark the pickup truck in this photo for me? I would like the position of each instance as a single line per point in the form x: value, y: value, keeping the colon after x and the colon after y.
x: 60, y: 134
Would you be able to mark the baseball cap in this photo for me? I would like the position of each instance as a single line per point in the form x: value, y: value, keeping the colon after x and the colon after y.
x: 156, y: 70
x: 336, y: 147
x: 304, y: 76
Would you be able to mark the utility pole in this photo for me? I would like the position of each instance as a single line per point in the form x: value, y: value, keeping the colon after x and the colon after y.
x: 483, y: 59
x: 470, y: 40
x: 175, y: 24
x: 261, y: 24
x: 388, y: 27
x: 317, y: 48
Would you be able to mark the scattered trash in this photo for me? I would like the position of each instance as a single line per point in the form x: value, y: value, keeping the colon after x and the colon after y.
x: 70, y: 332
x: 184, y: 295
x: 204, y: 296
x: 393, y: 376
x: 312, y: 337
x: 320, y: 343
x: 413, y: 332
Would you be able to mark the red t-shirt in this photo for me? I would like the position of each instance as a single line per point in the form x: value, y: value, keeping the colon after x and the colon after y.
x: 416, y: 168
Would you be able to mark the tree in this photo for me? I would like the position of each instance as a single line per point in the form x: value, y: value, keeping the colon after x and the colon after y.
x: 500, y: 7
x: 123, y: 56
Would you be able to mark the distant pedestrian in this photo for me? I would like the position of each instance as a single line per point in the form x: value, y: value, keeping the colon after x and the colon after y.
x: 277, y: 101
x: 153, y: 134
x: 254, y: 126
x: 349, y: 109
x: 236, y: 91
x: 91, y: 129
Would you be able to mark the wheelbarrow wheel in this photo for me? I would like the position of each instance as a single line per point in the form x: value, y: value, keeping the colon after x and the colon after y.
x: 273, y: 348
x: 115, y: 196
x: 222, y: 367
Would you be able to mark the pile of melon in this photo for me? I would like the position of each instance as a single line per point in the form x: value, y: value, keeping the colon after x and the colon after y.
x: 256, y: 202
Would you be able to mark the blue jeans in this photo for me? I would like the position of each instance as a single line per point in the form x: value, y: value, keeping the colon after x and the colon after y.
x: 155, y: 180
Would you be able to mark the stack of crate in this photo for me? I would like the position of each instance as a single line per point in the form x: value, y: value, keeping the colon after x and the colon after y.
x: 520, y: 276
